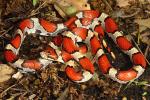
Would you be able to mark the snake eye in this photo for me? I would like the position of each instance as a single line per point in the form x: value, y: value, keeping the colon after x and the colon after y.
x: 85, y: 5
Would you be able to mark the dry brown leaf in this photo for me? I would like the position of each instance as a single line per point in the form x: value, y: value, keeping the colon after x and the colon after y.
x: 142, y: 28
x: 144, y: 1
x: 123, y: 3
x: 143, y: 22
x: 143, y: 25
x: 79, y: 4
x: 146, y: 40
x: 5, y: 72
x: 70, y: 7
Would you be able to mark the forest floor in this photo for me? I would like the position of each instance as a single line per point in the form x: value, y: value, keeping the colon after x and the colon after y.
x: 51, y: 83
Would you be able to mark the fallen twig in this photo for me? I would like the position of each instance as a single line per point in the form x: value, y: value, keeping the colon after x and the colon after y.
x: 1, y: 95
x: 139, y: 49
x: 137, y: 10
x: 34, y: 12
x: 7, y: 31
x: 105, y: 1
x: 146, y: 50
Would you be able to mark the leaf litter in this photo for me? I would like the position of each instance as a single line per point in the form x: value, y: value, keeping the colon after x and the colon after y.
x: 52, y: 82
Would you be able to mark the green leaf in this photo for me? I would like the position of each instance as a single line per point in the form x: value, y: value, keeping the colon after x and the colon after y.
x: 34, y: 2
x: 144, y: 93
x: 142, y: 83
x: 70, y: 10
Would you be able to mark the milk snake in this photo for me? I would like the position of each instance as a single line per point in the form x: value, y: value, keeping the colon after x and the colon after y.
x: 72, y: 41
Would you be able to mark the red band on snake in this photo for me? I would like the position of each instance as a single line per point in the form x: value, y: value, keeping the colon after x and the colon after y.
x: 81, y: 34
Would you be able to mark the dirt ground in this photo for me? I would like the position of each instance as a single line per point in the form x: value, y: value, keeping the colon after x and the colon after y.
x: 51, y: 83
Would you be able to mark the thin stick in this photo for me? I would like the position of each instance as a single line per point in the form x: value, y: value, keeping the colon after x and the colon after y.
x: 7, y: 31
x: 139, y: 49
x: 34, y: 12
x: 105, y: 1
x: 131, y: 15
x: 7, y: 89
x: 146, y: 51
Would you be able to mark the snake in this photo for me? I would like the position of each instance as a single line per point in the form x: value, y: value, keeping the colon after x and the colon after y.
x: 75, y: 43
